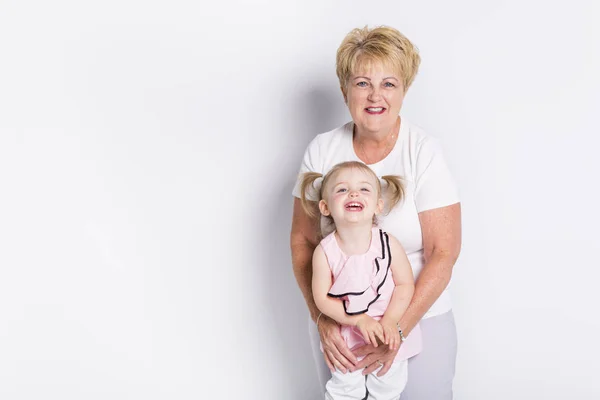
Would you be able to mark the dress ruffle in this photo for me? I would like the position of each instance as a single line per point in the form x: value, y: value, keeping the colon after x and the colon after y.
x: 359, y: 281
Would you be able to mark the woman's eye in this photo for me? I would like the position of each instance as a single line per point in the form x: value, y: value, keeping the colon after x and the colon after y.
x: 362, y: 84
x: 389, y: 84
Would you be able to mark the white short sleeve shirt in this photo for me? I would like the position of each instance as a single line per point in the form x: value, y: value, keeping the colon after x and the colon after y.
x: 418, y: 159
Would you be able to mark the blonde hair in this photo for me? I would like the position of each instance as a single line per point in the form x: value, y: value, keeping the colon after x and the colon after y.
x: 394, y: 190
x: 383, y: 44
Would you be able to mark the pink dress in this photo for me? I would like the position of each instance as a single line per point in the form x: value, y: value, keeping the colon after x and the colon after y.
x: 364, y: 283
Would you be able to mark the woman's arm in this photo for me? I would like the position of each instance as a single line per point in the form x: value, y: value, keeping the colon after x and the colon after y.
x: 303, y: 241
x: 441, y: 229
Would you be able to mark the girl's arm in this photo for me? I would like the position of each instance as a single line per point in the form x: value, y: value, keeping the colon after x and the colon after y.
x: 404, y: 281
x: 321, y: 283
x: 303, y: 241
x: 441, y: 243
x: 333, y: 308
x: 403, y: 292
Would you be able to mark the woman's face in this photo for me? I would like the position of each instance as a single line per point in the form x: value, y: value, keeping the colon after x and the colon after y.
x: 374, y: 97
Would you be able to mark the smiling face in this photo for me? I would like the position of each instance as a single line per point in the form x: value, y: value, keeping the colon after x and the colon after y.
x: 374, y: 95
x: 351, y: 197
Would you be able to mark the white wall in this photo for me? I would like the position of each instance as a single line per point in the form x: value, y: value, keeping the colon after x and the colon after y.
x: 147, y: 156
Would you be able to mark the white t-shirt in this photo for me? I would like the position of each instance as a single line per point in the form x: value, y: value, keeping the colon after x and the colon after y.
x: 418, y: 159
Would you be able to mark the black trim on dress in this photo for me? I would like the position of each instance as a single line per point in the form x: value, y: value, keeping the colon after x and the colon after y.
x: 384, y: 245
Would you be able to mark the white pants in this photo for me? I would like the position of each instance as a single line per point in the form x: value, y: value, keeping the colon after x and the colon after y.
x: 355, y: 386
x: 430, y: 373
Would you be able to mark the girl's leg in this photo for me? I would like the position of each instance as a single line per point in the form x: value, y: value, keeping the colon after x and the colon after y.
x: 390, y: 385
x: 430, y: 373
x: 348, y: 386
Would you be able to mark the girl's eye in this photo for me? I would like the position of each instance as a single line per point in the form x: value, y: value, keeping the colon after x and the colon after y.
x: 365, y: 189
x: 362, y: 84
x: 341, y: 190
x: 389, y: 84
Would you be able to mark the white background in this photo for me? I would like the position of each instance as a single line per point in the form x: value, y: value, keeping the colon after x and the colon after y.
x: 147, y: 156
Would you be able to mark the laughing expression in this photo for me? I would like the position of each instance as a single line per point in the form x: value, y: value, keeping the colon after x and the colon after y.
x: 352, y: 197
x: 374, y: 97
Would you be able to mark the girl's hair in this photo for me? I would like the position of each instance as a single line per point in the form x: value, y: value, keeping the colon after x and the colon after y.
x: 394, y: 190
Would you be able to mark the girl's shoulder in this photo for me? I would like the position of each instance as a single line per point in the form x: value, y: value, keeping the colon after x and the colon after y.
x: 384, y: 242
x: 328, y: 241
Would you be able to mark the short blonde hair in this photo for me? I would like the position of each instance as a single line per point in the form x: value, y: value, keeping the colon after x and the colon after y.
x: 383, y: 44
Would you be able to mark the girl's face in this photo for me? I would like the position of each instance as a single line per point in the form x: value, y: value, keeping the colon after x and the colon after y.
x: 351, y: 197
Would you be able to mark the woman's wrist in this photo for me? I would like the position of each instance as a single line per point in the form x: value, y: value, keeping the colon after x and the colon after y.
x: 400, y: 332
x: 407, y: 323
x: 314, y: 311
x: 318, y: 318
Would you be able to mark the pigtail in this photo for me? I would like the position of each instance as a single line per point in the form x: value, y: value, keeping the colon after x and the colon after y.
x: 308, y: 181
x: 394, y: 191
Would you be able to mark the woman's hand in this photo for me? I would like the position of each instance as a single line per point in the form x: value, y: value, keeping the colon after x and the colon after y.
x: 337, y: 355
x: 375, y: 357
x: 392, y: 336
x: 370, y: 329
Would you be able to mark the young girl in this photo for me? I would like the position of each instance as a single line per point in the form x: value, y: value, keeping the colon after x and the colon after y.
x: 361, y: 275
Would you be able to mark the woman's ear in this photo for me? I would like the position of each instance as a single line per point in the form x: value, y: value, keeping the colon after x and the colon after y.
x: 323, y: 208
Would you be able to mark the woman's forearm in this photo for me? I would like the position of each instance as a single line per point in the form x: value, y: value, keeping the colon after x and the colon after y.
x: 302, y: 251
x: 430, y: 284
x: 303, y: 241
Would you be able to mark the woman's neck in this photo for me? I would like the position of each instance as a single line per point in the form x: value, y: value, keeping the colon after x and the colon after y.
x: 377, y: 139
x: 354, y: 239
x: 372, y: 147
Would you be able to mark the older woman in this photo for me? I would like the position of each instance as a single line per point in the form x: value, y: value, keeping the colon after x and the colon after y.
x: 375, y: 68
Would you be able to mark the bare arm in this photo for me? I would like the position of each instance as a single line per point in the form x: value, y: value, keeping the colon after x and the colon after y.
x: 441, y: 229
x: 303, y: 241
x: 369, y: 328
x: 321, y: 284
x: 404, y: 283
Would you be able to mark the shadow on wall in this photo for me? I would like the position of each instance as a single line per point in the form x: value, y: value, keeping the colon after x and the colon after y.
x: 326, y: 108
x: 310, y: 113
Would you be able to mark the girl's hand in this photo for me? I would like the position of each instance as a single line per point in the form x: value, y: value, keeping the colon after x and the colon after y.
x: 336, y: 353
x: 392, y: 336
x: 370, y: 329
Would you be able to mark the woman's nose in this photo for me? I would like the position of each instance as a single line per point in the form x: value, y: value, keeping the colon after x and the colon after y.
x: 374, y: 94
